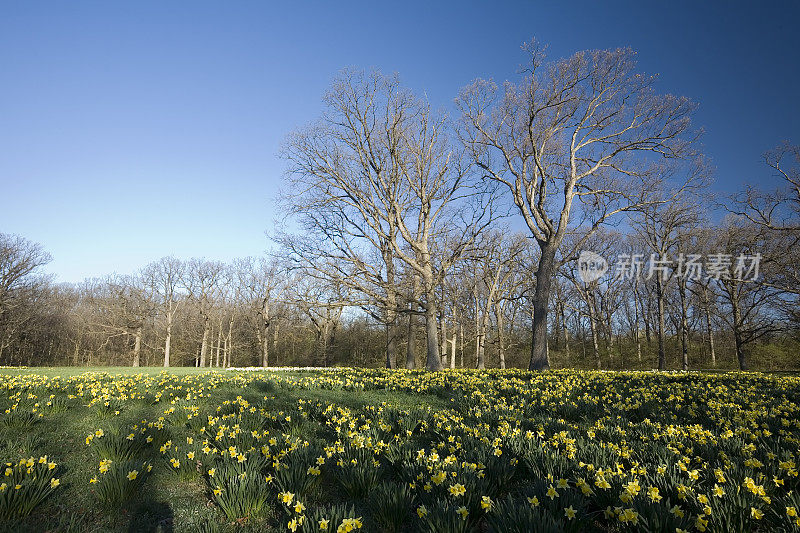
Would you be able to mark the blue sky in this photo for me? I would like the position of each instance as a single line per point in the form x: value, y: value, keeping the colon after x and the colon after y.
x: 130, y: 131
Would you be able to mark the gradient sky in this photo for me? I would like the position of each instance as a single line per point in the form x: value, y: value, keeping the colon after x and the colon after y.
x: 130, y: 131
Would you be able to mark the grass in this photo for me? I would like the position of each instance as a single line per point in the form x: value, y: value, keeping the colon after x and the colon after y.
x: 170, y: 504
x: 522, y: 431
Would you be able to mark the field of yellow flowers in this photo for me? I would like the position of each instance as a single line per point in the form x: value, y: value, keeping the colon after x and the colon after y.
x: 341, y: 450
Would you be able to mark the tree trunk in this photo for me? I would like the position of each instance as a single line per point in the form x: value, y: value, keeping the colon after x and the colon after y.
x: 480, y: 363
x: 477, y: 328
x: 707, y: 304
x: 265, y: 346
x: 684, y: 323
x: 738, y: 337
x: 228, y: 341
x: 276, y: 328
x: 482, y: 338
x: 557, y: 325
x: 461, y: 344
x: 662, y: 356
x: 219, y: 338
x: 168, y: 340
x: 411, y: 347
x: 443, y: 353
x: 411, y: 355
x: 593, y: 328
x: 434, y: 362
x: 330, y: 343
x: 501, y: 347
x: 541, y: 298
x: 711, y: 340
x: 137, y: 346
x: 265, y: 314
x: 204, y: 345
x: 637, y: 338
x: 609, y: 336
x: 566, y: 331
x: 646, y: 316
x: 391, y: 339
x: 391, y: 309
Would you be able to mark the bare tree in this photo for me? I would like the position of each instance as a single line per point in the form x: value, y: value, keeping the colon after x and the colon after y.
x: 375, y: 182
x: 747, y: 303
x: 775, y: 214
x: 262, y: 282
x: 777, y: 209
x: 662, y: 226
x: 163, y: 279
x: 595, y: 293
x: 490, y: 267
x: 202, y: 279
x: 323, y: 304
x: 20, y: 259
x: 121, y: 307
x: 571, y: 130
x: 345, y: 175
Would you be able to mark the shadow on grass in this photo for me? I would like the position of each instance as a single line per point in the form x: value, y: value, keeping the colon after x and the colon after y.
x: 152, y: 517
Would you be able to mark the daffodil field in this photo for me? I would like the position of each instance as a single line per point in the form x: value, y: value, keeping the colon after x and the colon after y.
x: 394, y: 450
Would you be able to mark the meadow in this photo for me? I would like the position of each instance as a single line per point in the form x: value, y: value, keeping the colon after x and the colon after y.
x: 394, y: 450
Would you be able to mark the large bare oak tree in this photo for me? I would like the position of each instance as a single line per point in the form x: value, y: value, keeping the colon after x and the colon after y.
x: 571, y: 143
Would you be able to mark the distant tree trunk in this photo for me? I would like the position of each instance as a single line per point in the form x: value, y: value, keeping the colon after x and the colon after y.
x: 637, y: 338
x: 137, y: 346
x: 391, y: 339
x: 228, y: 341
x: 646, y: 316
x: 204, y: 344
x: 711, y: 340
x: 265, y: 314
x: 453, y: 350
x: 609, y: 335
x: 662, y: 356
x: 684, y: 322
x: 501, y: 345
x: 738, y: 334
x: 461, y: 344
x: 275, y: 332
x: 557, y: 324
x: 444, y: 339
x: 477, y: 329
x: 566, y: 330
x: 265, y: 347
x: 168, y: 339
x: 593, y: 328
x: 219, y: 339
x: 707, y: 304
x: 411, y: 355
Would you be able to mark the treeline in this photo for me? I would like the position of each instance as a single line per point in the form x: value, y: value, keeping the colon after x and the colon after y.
x: 266, y: 312
x: 403, y: 217
x: 173, y: 312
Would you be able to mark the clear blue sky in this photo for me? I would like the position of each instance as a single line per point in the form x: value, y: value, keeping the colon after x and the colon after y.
x: 130, y: 131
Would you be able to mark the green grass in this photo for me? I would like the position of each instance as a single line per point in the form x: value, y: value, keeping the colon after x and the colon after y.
x: 170, y: 504
x: 67, y: 371
x: 540, y: 423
